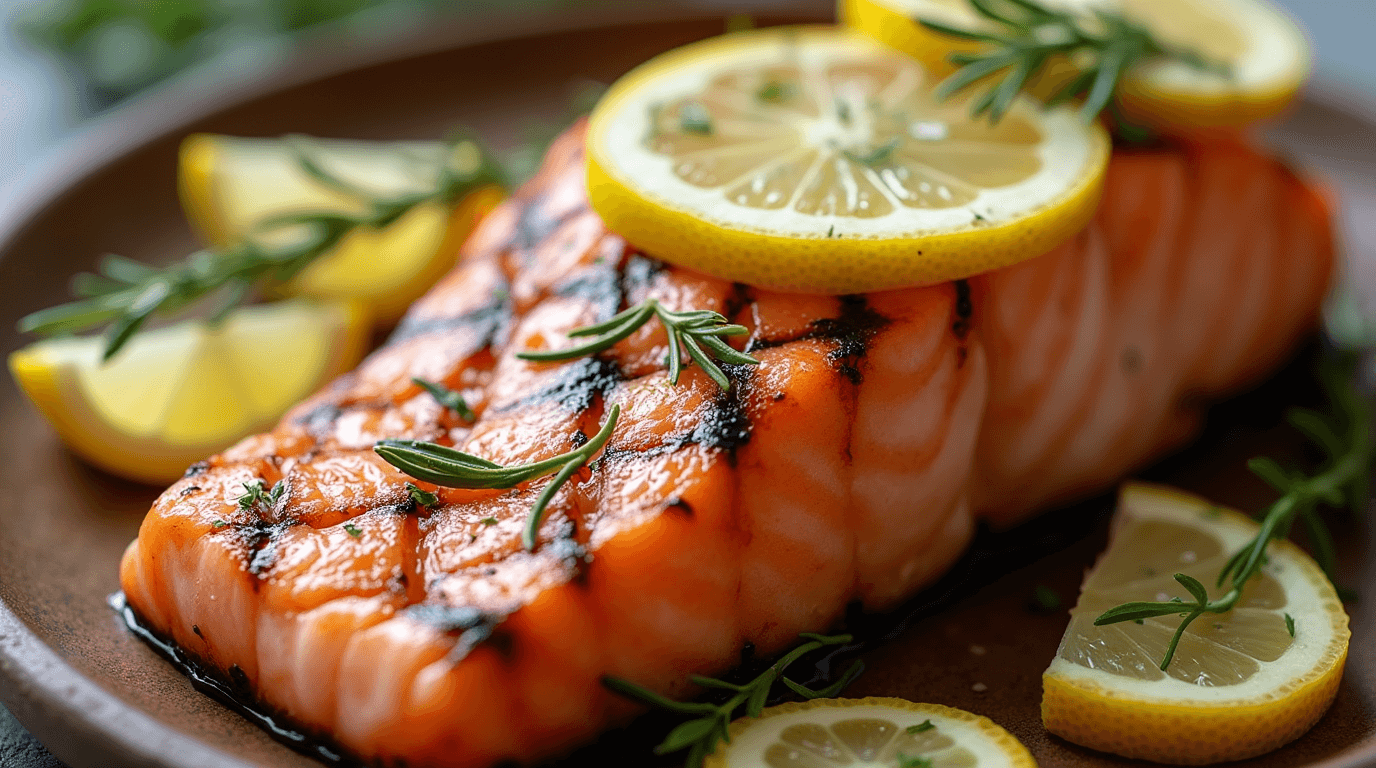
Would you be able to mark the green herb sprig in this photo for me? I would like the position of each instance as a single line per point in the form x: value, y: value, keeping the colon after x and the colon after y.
x: 124, y: 294
x: 701, y: 734
x: 447, y: 398
x: 691, y: 331
x: 1030, y: 35
x: 1345, y: 437
x: 256, y: 495
x: 452, y: 468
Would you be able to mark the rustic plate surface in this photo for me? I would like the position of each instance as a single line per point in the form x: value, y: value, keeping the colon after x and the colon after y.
x: 98, y: 697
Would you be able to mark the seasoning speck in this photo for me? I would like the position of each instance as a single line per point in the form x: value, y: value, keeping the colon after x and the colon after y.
x: 979, y: 687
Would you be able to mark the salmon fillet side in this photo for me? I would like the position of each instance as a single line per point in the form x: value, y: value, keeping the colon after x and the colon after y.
x: 850, y: 465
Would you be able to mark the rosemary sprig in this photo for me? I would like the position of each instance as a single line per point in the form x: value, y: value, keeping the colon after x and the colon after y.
x: 124, y: 293
x: 701, y: 734
x: 452, y: 468
x: 1031, y: 35
x: 1341, y: 481
x: 690, y: 331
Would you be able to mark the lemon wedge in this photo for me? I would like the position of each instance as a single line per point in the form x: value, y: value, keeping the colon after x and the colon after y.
x: 812, y: 159
x: 1241, y: 683
x: 229, y: 186
x: 177, y: 394
x: 860, y: 733
x: 1266, y: 54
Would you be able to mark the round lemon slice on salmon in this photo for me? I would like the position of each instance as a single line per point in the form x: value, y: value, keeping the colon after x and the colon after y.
x: 1263, y: 56
x: 868, y: 733
x: 175, y: 395
x: 812, y: 159
x: 1241, y: 683
x: 231, y: 186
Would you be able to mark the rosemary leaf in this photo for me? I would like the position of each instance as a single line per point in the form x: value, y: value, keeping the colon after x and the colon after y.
x: 688, y: 331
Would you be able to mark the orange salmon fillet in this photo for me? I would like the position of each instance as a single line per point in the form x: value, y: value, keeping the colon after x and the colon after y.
x: 850, y: 465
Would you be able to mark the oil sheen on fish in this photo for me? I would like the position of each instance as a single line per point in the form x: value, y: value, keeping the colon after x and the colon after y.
x: 850, y: 465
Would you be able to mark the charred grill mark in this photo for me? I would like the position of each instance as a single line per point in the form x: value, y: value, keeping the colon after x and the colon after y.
x: 197, y: 469
x: 638, y: 275
x: 599, y: 285
x: 742, y: 296
x: 964, y: 310
x: 577, y: 385
x: 725, y: 425
x: 489, y: 323
x: 960, y: 327
x: 188, y: 490
x: 468, y: 625
x: 852, y: 330
x: 196, y: 630
x: 679, y: 505
x: 319, y: 421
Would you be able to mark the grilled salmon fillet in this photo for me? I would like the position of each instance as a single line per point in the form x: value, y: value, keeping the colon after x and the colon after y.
x: 850, y: 465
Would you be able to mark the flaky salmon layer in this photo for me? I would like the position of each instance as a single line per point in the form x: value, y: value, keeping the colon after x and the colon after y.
x: 850, y: 465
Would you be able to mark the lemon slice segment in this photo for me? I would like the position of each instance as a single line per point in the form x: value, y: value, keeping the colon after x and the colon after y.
x: 860, y: 733
x: 177, y: 394
x: 1266, y: 53
x: 1240, y: 684
x: 812, y: 159
x: 230, y: 186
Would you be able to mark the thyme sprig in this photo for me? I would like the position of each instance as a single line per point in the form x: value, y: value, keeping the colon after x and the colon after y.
x: 1345, y: 438
x: 124, y: 294
x: 453, y: 468
x: 701, y: 734
x: 1031, y: 35
x: 691, y: 331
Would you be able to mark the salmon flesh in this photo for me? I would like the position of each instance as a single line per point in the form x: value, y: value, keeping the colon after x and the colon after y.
x: 850, y: 465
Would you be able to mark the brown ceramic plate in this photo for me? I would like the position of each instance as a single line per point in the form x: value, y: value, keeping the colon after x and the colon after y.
x: 98, y: 697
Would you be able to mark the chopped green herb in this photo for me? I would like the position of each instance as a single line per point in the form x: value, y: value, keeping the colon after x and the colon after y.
x: 421, y: 498
x: 488, y: 521
x: 254, y: 495
x: 693, y: 117
x: 353, y: 530
x: 875, y: 156
x: 913, y: 761
x: 1290, y: 624
x: 218, y: 524
x: 922, y: 727
x: 776, y: 91
x: 1045, y: 598
x: 447, y: 398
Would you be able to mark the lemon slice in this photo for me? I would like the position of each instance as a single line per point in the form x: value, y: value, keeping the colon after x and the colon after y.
x: 1266, y: 53
x: 229, y: 186
x: 860, y: 733
x: 177, y: 394
x: 812, y: 159
x: 1240, y: 684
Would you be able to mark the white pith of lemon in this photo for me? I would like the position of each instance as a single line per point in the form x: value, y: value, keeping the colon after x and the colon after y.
x: 827, y: 166
x: 863, y: 733
x: 1239, y: 684
x: 1266, y: 53
x: 230, y: 186
x: 174, y: 395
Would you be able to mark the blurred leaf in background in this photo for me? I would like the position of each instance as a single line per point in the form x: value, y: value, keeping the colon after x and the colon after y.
x: 118, y: 47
